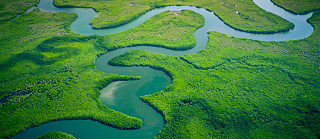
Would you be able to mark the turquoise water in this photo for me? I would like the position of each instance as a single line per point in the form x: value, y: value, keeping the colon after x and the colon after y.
x: 124, y: 96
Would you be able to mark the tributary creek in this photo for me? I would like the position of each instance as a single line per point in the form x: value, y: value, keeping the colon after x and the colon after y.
x: 124, y: 96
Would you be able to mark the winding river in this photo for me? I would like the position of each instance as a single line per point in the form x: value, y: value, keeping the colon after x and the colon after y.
x: 124, y: 96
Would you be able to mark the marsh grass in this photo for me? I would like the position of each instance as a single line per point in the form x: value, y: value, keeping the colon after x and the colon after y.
x: 241, y: 15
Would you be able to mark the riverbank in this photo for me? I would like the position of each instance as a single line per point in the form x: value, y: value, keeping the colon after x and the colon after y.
x: 67, y: 85
x: 255, y: 20
x: 234, y: 84
x: 298, y: 7
x: 75, y: 83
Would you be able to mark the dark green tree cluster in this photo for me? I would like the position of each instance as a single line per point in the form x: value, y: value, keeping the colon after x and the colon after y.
x: 56, y: 135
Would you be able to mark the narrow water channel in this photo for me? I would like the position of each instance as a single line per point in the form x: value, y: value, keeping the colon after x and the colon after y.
x: 124, y: 96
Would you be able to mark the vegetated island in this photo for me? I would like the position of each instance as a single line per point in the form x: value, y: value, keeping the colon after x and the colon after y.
x: 241, y: 15
x: 56, y: 135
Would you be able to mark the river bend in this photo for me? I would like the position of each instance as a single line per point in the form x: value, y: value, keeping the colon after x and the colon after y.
x: 124, y: 96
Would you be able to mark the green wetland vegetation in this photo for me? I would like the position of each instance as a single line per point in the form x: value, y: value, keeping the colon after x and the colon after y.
x: 241, y: 15
x: 233, y: 88
x: 56, y: 67
x: 238, y: 88
x: 57, y: 71
x: 56, y: 135
x: 163, y: 30
x: 298, y: 6
x: 11, y: 8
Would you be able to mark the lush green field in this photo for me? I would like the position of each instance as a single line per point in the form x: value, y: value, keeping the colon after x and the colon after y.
x: 56, y: 67
x: 242, y: 15
x: 239, y: 88
x: 298, y: 6
x: 56, y: 135
x: 12, y: 8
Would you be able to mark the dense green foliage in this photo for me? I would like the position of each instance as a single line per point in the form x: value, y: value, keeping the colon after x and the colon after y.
x: 12, y: 8
x: 234, y: 88
x: 40, y: 56
x: 29, y: 29
x: 242, y: 15
x: 298, y: 6
x: 215, y: 53
x: 56, y: 135
x: 58, y: 73
x: 21, y: 35
x: 163, y: 30
x: 239, y: 88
